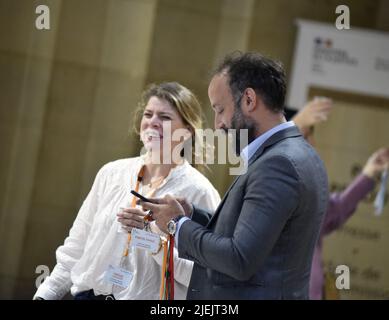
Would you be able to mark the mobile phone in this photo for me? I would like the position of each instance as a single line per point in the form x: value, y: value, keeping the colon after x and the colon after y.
x: 149, y: 217
x: 138, y: 195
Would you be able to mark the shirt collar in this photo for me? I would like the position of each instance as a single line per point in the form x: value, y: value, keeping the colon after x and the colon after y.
x: 252, y: 147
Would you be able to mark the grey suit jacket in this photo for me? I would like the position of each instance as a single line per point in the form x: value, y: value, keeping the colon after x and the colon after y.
x: 259, y: 243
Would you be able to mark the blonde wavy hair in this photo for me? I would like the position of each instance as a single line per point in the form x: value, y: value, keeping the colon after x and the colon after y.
x: 187, y: 106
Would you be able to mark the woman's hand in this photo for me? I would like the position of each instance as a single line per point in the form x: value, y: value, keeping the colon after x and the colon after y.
x: 132, y: 218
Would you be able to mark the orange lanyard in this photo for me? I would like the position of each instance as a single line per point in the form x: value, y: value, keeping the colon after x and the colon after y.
x: 166, y: 290
x: 167, y: 281
x: 133, y: 204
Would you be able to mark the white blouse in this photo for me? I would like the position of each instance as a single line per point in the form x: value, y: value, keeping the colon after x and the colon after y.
x: 97, y: 240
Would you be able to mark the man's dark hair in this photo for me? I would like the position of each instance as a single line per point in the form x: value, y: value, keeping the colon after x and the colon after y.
x: 252, y: 70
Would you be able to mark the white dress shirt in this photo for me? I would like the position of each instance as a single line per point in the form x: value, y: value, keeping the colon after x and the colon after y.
x: 97, y: 240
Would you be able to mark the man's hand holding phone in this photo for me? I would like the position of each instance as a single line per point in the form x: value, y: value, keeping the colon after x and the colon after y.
x: 187, y: 206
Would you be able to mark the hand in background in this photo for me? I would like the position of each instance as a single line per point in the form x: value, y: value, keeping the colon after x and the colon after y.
x: 314, y: 112
x: 377, y: 163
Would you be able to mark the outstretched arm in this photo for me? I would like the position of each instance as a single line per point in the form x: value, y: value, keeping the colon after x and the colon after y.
x: 342, y: 205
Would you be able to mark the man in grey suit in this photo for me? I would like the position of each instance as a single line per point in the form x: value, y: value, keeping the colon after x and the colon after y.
x: 259, y: 243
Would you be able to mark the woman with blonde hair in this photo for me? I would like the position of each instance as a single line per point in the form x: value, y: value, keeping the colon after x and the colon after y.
x: 98, y: 259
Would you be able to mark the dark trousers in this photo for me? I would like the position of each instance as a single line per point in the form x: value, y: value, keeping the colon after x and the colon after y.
x: 90, y: 295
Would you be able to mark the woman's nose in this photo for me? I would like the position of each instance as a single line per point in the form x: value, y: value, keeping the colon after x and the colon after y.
x: 155, y: 121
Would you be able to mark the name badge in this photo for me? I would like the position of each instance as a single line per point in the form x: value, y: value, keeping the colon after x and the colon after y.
x: 145, y: 240
x: 118, y: 276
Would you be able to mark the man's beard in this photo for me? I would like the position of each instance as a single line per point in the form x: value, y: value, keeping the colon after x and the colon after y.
x: 239, y: 122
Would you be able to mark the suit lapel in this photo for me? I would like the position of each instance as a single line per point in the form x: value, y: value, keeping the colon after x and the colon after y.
x: 220, y: 206
x: 278, y: 136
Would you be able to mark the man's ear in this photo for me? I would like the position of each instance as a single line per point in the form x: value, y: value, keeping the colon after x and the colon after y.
x: 249, y: 100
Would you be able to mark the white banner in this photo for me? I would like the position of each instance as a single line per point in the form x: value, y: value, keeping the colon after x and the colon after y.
x: 353, y: 60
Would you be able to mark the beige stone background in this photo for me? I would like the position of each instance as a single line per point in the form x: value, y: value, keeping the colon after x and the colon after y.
x: 66, y: 96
